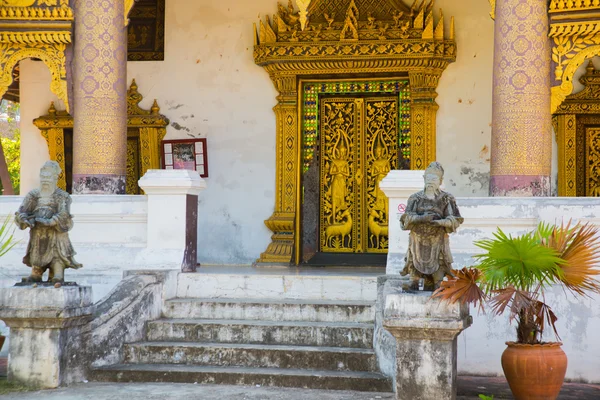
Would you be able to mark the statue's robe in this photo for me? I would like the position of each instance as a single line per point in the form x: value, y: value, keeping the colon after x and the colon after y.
x: 428, y: 243
x: 48, y: 243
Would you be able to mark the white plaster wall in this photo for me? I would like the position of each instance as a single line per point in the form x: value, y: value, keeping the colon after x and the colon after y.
x: 209, y: 86
x: 35, y: 97
x: 465, y: 99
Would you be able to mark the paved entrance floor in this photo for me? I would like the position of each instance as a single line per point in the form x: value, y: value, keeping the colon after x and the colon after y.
x: 469, y: 389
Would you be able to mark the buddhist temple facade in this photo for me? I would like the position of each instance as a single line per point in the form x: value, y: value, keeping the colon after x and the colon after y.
x: 293, y: 114
x: 304, y: 108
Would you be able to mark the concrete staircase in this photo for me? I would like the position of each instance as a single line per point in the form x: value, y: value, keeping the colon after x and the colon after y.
x: 317, y: 344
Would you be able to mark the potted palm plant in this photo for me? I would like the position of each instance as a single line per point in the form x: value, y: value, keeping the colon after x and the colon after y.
x: 512, y: 275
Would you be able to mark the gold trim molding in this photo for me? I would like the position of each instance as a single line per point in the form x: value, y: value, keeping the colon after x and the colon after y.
x: 493, y: 6
x: 557, y: 6
x: 150, y: 127
x: 345, y: 40
x: 128, y: 6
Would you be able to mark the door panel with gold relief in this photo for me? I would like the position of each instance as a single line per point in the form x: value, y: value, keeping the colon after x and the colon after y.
x: 358, y: 146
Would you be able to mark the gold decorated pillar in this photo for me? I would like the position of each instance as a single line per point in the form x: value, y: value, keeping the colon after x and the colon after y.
x: 423, y: 117
x: 521, y: 151
x: 100, y: 107
x: 282, y: 222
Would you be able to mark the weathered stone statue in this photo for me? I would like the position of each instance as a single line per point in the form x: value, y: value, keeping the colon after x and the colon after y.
x: 46, y: 211
x: 430, y: 216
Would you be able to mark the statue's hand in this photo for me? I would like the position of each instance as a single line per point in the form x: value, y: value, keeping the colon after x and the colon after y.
x: 25, y: 219
x: 426, y: 218
x: 45, y: 221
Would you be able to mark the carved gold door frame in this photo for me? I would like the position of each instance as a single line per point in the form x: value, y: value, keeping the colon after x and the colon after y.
x: 576, y: 125
x: 358, y: 147
x: 351, y: 41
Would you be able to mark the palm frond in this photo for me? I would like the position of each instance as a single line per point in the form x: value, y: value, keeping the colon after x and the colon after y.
x: 521, y: 261
x: 463, y: 288
x: 544, y: 316
x: 513, y: 299
x: 580, y: 248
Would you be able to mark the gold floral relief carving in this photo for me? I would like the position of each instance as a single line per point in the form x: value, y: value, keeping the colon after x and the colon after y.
x: 51, y: 54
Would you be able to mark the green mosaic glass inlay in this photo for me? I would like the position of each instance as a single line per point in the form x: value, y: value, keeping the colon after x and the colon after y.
x: 311, y: 92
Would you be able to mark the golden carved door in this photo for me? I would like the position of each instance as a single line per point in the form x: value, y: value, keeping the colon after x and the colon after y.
x: 358, y: 146
x: 593, y: 162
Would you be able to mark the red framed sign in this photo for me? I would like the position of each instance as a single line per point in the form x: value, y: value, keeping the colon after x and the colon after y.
x: 185, y: 154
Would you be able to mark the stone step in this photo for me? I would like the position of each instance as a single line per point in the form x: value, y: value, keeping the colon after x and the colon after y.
x: 252, y: 356
x: 271, y: 309
x: 247, y: 283
x: 331, y: 334
x: 309, y: 379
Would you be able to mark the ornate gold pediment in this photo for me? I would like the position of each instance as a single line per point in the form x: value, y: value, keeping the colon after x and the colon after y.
x: 586, y: 101
x: 575, y: 32
x: 386, y: 33
x: 35, y: 29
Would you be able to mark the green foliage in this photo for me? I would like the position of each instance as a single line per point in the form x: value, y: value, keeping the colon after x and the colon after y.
x: 10, y: 136
x: 12, y: 153
x: 521, y: 262
x: 484, y: 397
x: 7, y: 236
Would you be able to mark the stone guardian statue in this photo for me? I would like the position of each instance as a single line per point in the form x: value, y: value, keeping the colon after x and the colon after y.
x: 46, y: 212
x: 431, y: 215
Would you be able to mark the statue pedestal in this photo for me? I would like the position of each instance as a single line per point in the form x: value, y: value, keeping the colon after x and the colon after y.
x: 425, y: 330
x: 47, y: 342
x: 398, y: 186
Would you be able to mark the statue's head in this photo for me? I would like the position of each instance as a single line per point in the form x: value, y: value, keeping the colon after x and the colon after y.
x: 434, y: 175
x: 49, y: 176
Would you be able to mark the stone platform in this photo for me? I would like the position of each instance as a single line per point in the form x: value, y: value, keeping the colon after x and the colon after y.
x: 468, y: 389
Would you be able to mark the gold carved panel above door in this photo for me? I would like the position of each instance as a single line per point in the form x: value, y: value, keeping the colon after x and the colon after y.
x: 358, y: 146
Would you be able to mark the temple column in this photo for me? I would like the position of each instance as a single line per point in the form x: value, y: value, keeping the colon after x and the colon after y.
x: 521, y: 151
x: 100, y: 90
x: 283, y: 221
x: 423, y: 117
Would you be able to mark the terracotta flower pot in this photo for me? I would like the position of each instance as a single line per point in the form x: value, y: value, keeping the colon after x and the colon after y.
x: 534, y: 371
